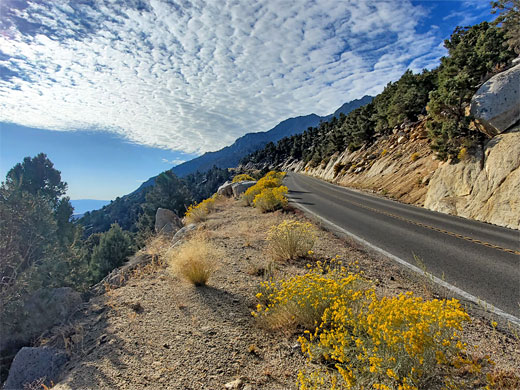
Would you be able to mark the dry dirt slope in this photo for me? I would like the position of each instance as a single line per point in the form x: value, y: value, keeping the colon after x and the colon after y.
x: 159, y: 332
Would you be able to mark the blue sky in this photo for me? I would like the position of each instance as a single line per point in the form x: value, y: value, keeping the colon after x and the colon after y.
x: 116, y: 92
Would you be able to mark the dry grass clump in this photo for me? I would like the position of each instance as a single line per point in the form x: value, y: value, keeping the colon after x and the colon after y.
x: 291, y: 240
x: 195, y: 260
x: 156, y: 247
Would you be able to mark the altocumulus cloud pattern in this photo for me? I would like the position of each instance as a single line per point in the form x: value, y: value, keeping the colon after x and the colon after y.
x: 194, y: 75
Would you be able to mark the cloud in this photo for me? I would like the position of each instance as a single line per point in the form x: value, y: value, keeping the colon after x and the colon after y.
x: 193, y: 76
x: 174, y: 162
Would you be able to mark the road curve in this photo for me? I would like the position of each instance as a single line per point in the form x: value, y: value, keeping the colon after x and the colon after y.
x: 480, y: 259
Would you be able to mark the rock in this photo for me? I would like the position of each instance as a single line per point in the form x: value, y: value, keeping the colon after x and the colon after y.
x: 401, y: 139
x: 496, y: 104
x: 32, y: 364
x: 226, y: 189
x: 234, y: 384
x: 182, y: 233
x: 241, y: 187
x: 166, y: 221
x: 485, y: 188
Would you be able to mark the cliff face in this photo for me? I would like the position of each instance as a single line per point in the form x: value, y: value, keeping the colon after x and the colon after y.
x: 486, y: 188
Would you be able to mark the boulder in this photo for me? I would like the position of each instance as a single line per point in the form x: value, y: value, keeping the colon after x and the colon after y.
x: 35, y: 364
x: 496, y: 104
x: 241, y: 187
x: 166, y: 221
x: 182, y: 233
x: 226, y: 189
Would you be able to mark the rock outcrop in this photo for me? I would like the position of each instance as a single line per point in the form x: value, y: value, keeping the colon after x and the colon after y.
x: 486, y: 188
x: 167, y: 222
x: 35, y: 366
x: 226, y: 189
x: 496, y: 104
x: 241, y: 187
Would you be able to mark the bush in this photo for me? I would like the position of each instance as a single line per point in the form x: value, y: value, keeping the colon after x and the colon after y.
x: 300, y: 301
x: 365, y: 341
x: 242, y: 177
x: 113, y: 249
x: 291, y: 239
x: 339, y: 167
x: 195, y: 261
x: 271, y: 199
x: 271, y: 180
x: 414, y: 157
x: 198, y: 212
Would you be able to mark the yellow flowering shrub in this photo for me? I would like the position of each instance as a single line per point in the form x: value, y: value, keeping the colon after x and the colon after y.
x: 271, y: 199
x: 271, y: 180
x: 291, y: 239
x: 414, y: 157
x: 198, y: 212
x: 366, y: 342
x: 300, y: 301
x: 396, y: 343
x: 463, y: 154
x: 242, y: 177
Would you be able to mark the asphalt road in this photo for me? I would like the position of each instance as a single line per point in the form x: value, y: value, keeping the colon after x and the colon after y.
x: 478, y: 258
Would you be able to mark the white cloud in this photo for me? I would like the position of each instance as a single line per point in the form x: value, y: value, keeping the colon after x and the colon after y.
x: 194, y: 75
x: 174, y: 162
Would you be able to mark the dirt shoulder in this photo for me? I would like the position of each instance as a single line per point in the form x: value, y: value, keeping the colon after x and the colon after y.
x: 160, y: 332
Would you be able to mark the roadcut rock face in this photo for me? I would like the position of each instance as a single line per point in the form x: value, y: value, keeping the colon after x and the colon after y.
x: 487, y: 188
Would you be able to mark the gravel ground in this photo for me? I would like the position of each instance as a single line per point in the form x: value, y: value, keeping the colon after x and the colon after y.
x: 160, y: 332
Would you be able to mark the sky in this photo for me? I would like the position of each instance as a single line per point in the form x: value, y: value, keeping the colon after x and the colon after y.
x: 117, y: 91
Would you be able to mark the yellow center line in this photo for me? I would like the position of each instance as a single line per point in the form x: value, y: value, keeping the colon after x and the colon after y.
x: 460, y: 236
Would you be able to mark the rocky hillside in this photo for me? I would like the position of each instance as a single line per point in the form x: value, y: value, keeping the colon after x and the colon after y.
x: 145, y: 327
x: 230, y: 156
x: 484, y: 186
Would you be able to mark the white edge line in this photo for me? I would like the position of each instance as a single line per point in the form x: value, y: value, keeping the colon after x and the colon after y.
x: 511, y: 318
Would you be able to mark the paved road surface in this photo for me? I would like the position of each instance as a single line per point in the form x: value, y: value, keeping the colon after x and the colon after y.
x: 481, y: 259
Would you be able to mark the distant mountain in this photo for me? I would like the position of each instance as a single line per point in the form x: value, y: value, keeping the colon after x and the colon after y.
x: 230, y: 156
x: 81, y: 206
x: 351, y: 106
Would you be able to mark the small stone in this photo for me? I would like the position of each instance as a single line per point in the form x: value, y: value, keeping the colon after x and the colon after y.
x: 234, y: 384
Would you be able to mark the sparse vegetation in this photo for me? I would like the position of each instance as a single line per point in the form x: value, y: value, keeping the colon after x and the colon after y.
x: 414, y: 157
x: 195, y: 261
x: 198, y: 212
x: 291, y: 239
x: 242, y: 177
